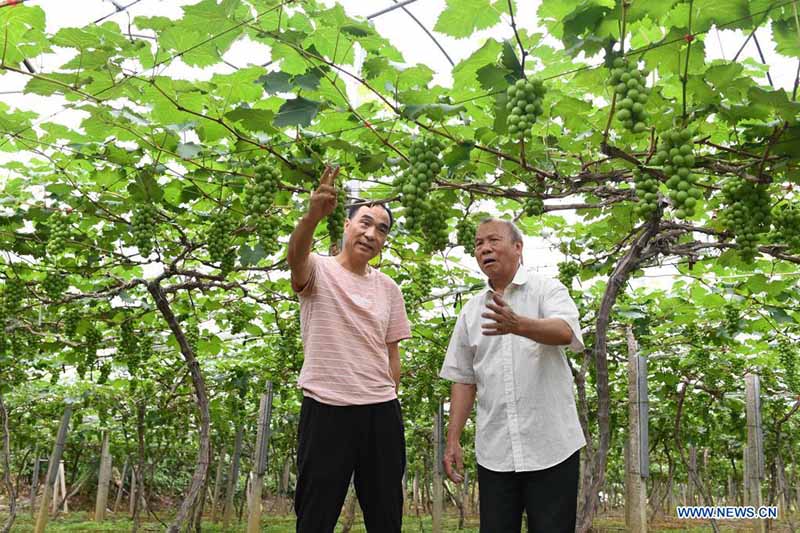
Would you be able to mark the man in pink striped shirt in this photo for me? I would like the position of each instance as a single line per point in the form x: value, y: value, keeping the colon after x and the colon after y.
x: 352, y: 319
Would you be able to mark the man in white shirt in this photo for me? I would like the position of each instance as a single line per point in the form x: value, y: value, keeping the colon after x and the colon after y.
x: 507, y: 349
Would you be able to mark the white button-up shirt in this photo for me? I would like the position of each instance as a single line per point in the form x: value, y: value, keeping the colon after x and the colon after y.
x: 527, y: 418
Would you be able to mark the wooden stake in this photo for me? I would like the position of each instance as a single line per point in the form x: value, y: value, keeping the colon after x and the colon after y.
x: 259, y: 462
x: 35, y: 482
x: 217, y: 486
x: 53, y: 469
x: 103, y: 479
x: 438, y: 467
x: 754, y: 443
x: 118, y: 498
x: 636, y: 456
x: 132, y: 495
x: 233, y: 478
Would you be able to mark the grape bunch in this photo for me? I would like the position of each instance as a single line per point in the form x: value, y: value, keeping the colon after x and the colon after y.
x: 567, y: 270
x: 731, y: 319
x: 60, y: 233
x: 434, y: 227
x: 465, y: 235
x: 141, y: 354
x: 746, y: 214
x: 13, y: 293
x: 268, y: 230
x: 238, y: 318
x: 192, y: 333
x: 677, y: 157
x: 788, y: 357
x: 421, y: 284
x: 415, y: 183
x: 628, y: 82
x: 336, y: 219
x: 220, y: 240
x: 144, y: 224
x: 786, y: 218
x: 262, y: 189
x: 524, y: 106
x: 128, y: 342
x: 647, y: 192
x: 72, y: 317
x: 91, y: 343
x: 54, y: 284
x: 534, y: 205
x: 105, y: 371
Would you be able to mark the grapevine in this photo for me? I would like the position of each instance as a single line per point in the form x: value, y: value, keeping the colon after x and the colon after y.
x: 628, y: 82
x: 677, y: 157
x: 524, y: 106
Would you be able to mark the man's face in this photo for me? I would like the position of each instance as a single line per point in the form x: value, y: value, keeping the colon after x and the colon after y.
x: 365, y: 233
x: 497, y: 255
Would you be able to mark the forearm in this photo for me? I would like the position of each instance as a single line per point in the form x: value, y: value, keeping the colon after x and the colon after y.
x: 462, y: 397
x: 394, y: 366
x: 552, y: 331
x: 300, y: 241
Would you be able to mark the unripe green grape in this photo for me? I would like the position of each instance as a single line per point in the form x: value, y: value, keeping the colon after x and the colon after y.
x: 627, y: 81
x: 220, y: 241
x: 746, y: 213
x: 675, y: 153
x: 54, y: 284
x: 60, y: 234
x: 262, y: 188
x: 465, y: 235
x: 336, y: 219
x: 144, y: 227
x: 525, y: 106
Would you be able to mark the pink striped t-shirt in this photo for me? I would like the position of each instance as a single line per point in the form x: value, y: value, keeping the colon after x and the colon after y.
x: 346, y: 322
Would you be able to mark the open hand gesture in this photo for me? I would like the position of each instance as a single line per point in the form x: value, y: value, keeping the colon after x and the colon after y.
x: 504, y: 319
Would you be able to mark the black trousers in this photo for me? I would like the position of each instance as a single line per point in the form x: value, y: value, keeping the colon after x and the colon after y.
x: 549, y: 497
x: 334, y: 442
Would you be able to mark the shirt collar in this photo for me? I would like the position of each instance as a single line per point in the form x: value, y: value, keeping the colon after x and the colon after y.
x: 520, y: 277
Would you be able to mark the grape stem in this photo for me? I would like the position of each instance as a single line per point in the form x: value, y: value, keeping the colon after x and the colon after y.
x: 519, y: 41
x: 685, y: 78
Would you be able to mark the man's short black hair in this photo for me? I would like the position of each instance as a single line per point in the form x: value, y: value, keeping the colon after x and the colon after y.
x: 351, y: 212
